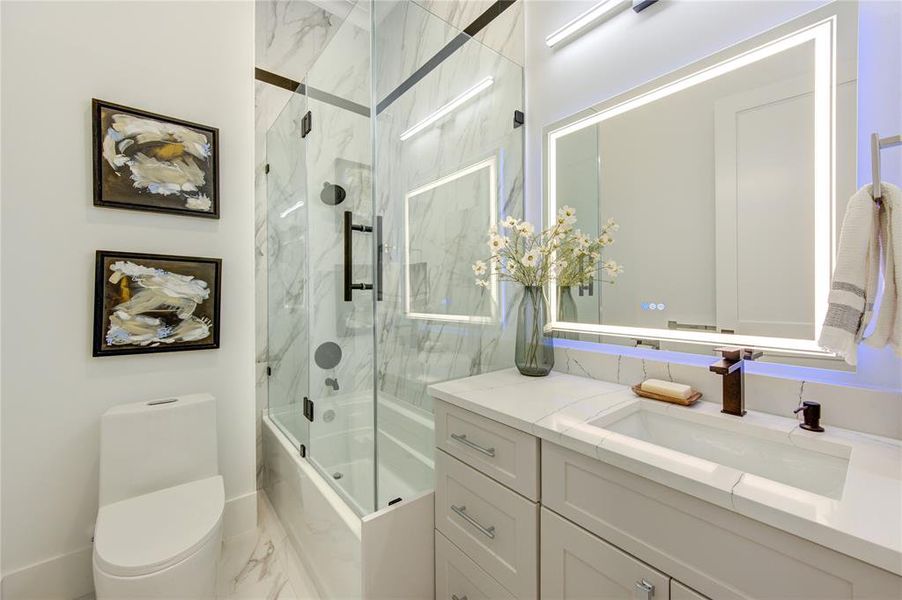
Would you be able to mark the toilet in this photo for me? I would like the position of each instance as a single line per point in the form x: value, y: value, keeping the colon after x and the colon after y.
x: 159, y: 526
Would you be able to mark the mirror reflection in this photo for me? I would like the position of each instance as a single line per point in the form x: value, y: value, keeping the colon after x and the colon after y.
x: 721, y: 182
x: 446, y: 224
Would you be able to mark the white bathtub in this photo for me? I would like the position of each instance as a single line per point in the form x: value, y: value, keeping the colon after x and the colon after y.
x: 349, y: 555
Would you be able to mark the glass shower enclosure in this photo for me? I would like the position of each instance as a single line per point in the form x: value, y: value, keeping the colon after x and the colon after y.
x: 387, y: 168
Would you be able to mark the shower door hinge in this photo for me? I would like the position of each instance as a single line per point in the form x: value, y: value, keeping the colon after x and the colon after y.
x: 519, y: 118
x: 303, y: 450
x: 306, y: 124
x: 308, y: 408
x: 266, y: 169
x: 269, y: 371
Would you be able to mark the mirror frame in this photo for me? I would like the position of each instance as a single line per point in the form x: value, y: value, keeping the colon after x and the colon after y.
x: 833, y: 29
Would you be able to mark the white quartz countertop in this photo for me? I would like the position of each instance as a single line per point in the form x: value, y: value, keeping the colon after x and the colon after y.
x: 865, y: 522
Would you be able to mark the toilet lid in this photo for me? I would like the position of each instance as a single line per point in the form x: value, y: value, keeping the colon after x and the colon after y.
x: 148, y: 533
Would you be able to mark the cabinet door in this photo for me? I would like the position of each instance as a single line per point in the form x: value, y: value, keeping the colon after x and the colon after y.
x: 678, y: 591
x: 576, y: 565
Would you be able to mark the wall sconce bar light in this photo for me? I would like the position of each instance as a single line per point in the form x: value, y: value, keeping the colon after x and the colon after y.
x: 447, y: 108
x: 592, y: 16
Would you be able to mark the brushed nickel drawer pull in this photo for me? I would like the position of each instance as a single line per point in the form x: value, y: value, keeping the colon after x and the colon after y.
x: 456, y: 597
x: 644, y: 590
x: 488, y: 532
x: 462, y: 438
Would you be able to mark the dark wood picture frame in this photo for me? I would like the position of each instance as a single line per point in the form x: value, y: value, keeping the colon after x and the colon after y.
x: 102, y: 310
x: 101, y: 199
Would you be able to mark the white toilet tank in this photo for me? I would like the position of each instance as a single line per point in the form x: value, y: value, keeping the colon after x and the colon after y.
x: 148, y: 446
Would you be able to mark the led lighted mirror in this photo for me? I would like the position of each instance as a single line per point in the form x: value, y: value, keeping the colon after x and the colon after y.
x: 727, y: 179
x: 446, y: 223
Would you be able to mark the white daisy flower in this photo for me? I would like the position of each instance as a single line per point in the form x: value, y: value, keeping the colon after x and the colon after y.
x: 530, y: 259
x: 479, y: 267
x: 525, y: 228
x: 482, y: 283
x: 612, y: 268
x: 605, y: 240
x: 509, y: 222
x: 568, y: 213
x: 611, y: 225
x: 497, y: 242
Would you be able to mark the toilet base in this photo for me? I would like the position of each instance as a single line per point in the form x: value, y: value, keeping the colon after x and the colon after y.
x: 194, y: 578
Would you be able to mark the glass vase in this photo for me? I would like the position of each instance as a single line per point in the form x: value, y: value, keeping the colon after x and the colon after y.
x: 534, y: 352
x: 566, y: 308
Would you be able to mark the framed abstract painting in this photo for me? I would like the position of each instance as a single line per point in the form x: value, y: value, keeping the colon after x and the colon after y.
x: 155, y: 303
x: 145, y: 161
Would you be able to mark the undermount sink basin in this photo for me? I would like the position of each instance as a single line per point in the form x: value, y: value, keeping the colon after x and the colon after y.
x: 747, y: 448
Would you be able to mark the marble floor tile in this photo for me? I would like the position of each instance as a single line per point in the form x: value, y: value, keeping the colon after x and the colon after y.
x: 262, y: 565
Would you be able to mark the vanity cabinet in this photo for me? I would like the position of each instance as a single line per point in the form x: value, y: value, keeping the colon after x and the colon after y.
x: 716, y: 551
x: 520, y: 518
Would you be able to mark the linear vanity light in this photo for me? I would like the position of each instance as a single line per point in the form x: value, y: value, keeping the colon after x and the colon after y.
x: 591, y: 16
x: 447, y: 108
x: 822, y: 34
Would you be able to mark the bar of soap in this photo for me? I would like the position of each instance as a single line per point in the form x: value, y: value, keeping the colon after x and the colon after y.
x: 667, y: 388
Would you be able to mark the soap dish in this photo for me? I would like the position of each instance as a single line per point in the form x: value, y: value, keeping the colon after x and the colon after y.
x: 637, y: 389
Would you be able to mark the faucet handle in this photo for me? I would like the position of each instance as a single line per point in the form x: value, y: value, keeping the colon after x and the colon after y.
x: 737, y: 354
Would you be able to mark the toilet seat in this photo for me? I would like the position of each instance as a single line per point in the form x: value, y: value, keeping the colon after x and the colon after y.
x: 149, y: 533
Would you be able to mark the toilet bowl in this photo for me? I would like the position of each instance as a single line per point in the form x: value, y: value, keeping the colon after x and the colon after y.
x: 159, y: 527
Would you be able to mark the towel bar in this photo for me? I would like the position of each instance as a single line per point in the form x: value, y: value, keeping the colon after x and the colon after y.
x: 878, y: 144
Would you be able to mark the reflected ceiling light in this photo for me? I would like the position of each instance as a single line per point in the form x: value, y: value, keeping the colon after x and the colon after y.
x: 447, y: 108
x: 291, y: 209
x: 603, y: 9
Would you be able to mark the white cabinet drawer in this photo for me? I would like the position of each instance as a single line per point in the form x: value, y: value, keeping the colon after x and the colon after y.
x: 499, y: 451
x: 494, y: 526
x: 576, y: 565
x: 678, y: 591
x: 458, y: 578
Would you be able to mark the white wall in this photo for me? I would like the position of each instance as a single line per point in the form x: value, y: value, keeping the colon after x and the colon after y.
x: 192, y: 60
x: 631, y: 49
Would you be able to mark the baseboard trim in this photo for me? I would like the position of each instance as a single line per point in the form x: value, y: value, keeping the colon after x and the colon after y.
x: 60, y: 578
x: 71, y: 575
x: 240, y: 515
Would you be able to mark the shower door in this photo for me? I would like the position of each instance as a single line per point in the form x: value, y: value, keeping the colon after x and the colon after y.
x: 374, y: 223
x: 443, y: 177
x: 287, y: 242
x: 340, y: 238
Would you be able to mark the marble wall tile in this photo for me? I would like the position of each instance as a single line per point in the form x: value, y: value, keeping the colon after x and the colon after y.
x: 290, y: 34
x: 503, y: 35
x: 859, y: 409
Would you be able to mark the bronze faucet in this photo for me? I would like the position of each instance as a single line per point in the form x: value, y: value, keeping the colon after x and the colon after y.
x: 730, y: 367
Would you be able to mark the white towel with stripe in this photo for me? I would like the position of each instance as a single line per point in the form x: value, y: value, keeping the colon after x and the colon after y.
x: 855, y: 276
x: 888, y: 320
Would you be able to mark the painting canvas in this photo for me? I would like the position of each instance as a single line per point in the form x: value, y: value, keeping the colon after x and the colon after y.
x: 155, y: 303
x: 144, y: 161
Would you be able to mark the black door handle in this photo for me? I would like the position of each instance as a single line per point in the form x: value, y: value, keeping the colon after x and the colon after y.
x: 349, y: 228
